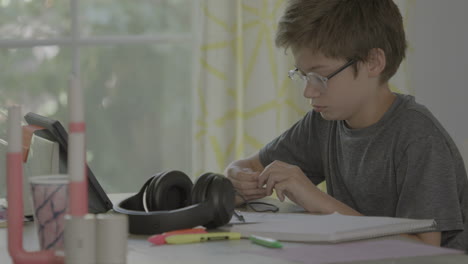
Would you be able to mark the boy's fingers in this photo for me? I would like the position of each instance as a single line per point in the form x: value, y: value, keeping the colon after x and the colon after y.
x: 254, y: 197
x: 251, y: 192
x: 263, y: 177
x: 267, y: 173
x: 280, y: 191
x: 270, y: 184
x: 246, y: 176
x: 244, y: 184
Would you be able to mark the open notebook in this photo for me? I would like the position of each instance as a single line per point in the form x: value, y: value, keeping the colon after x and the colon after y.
x: 330, y: 228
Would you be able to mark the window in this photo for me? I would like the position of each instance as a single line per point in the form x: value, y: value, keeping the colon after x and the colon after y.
x: 135, y: 62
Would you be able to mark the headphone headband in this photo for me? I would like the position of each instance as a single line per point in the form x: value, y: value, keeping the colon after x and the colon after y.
x: 214, y: 204
x: 155, y: 222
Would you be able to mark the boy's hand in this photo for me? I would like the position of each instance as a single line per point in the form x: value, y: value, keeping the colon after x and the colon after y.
x: 288, y: 181
x: 244, y: 181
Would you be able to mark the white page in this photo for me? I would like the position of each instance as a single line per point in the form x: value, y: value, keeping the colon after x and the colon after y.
x: 252, y: 217
x: 330, y: 228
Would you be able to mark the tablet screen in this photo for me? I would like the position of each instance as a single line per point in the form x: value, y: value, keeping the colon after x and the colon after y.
x: 98, y: 201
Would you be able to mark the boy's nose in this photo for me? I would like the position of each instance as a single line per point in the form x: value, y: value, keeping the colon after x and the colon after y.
x: 311, y: 91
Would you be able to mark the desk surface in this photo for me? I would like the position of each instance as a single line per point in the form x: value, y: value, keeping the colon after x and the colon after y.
x: 231, y: 251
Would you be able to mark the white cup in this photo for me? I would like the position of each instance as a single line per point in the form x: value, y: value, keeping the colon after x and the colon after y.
x: 50, y: 202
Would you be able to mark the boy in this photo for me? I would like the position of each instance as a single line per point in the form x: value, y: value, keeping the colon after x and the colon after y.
x: 381, y: 153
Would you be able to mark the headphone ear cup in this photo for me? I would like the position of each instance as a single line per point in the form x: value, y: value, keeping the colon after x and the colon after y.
x: 221, y: 192
x: 149, y: 192
x: 168, y: 191
x: 200, y: 187
x: 217, y: 190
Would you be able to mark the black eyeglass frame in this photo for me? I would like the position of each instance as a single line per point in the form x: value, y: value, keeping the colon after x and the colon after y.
x: 326, y: 78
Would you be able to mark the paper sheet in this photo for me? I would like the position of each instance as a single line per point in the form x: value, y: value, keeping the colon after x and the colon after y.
x: 356, y: 251
x: 251, y: 217
x: 326, y: 228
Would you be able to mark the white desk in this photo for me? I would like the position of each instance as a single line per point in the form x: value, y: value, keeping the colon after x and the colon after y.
x: 233, y: 251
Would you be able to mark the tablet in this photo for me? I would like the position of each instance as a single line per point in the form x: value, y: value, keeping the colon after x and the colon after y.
x: 98, y: 201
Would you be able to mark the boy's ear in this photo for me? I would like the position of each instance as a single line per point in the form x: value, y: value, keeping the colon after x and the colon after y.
x: 376, y: 62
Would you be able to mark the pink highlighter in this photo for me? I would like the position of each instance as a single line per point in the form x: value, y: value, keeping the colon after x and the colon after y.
x: 160, y: 239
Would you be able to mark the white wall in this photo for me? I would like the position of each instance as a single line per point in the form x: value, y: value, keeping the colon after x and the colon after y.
x: 437, y: 62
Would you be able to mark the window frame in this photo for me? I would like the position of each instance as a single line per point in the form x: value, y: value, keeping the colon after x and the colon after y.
x: 76, y: 42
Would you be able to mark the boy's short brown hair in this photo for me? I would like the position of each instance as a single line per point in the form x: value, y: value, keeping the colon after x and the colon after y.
x: 345, y: 29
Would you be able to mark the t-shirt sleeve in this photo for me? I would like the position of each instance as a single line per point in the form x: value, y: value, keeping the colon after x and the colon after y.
x: 298, y: 146
x: 427, y: 184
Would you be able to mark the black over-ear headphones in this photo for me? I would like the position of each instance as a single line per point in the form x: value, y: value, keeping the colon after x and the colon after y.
x: 173, y: 202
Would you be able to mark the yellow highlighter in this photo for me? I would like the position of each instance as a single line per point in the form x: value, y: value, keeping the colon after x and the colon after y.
x: 202, y: 237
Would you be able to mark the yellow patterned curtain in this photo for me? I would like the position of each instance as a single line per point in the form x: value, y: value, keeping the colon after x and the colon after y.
x: 243, y: 96
x: 400, y: 82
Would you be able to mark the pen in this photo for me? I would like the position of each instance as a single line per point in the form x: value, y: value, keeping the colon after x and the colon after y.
x: 266, y: 242
x: 194, y: 238
x: 239, y: 216
x: 160, y: 239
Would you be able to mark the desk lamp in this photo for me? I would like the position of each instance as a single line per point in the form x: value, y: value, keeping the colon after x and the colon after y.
x: 15, y: 198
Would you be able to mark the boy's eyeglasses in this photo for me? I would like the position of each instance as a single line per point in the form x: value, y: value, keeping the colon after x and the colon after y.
x: 262, y: 206
x: 315, y: 79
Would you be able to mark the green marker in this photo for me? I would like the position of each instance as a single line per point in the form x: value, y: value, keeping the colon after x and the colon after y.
x: 266, y: 242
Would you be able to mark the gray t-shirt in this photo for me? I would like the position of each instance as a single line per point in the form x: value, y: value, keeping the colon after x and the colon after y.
x: 405, y: 165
